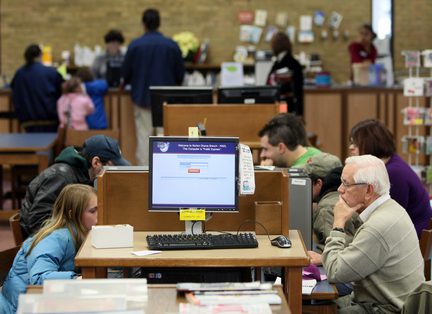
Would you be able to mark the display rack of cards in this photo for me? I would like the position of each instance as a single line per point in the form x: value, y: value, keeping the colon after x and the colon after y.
x: 417, y: 114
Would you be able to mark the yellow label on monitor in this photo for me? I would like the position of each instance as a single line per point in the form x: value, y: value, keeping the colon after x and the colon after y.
x: 193, y: 131
x: 192, y: 214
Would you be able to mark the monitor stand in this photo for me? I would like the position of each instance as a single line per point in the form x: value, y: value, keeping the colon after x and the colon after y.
x: 196, y: 226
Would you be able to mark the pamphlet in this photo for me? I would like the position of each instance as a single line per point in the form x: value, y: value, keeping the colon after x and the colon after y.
x: 308, y: 285
x: 232, y: 74
x: 247, y: 174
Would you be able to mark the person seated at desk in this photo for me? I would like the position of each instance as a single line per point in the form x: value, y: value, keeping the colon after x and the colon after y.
x: 325, y: 171
x: 50, y: 253
x: 371, y: 136
x: 70, y: 166
x: 284, y: 142
x: 383, y: 261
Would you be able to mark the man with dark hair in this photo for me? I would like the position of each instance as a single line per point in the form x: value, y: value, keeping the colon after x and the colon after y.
x: 108, y: 66
x: 35, y: 91
x: 151, y: 60
x: 69, y: 167
x: 283, y: 140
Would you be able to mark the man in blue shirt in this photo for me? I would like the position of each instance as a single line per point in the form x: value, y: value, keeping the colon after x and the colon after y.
x: 151, y: 60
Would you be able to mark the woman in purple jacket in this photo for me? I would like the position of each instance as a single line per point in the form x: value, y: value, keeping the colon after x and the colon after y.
x: 372, y: 137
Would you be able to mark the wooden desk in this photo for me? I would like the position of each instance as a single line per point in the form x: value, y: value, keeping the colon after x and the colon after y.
x: 164, y: 299
x: 94, y: 262
x: 26, y: 148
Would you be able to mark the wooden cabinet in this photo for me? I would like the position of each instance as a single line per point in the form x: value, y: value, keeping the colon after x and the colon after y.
x: 332, y: 112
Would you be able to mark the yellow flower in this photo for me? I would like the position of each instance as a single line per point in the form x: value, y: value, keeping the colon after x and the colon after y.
x: 187, y: 42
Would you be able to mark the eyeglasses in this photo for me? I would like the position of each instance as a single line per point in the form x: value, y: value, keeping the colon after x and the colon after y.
x: 347, y: 185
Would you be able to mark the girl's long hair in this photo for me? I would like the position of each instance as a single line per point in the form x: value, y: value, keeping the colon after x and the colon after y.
x: 67, y: 213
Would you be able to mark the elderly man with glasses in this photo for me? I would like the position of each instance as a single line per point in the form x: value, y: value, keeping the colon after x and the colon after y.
x: 383, y: 261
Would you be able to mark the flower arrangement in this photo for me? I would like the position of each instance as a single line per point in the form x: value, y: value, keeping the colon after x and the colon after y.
x: 188, y: 43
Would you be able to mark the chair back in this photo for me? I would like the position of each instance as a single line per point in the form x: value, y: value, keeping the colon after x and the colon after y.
x: 14, y: 223
x: 419, y: 301
x: 6, y: 260
x: 77, y: 137
x: 425, y: 248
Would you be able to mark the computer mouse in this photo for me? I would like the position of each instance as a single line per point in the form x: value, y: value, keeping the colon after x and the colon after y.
x: 281, y: 241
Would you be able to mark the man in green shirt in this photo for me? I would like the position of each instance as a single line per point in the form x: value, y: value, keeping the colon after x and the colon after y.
x: 284, y: 142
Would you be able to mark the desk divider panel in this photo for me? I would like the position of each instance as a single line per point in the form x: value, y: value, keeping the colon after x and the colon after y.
x: 123, y: 199
x: 242, y: 120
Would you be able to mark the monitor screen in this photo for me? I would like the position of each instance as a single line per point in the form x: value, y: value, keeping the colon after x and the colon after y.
x: 177, y: 95
x: 193, y: 173
x: 248, y: 95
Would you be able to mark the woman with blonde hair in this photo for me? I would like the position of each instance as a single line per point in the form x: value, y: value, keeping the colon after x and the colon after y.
x: 50, y: 253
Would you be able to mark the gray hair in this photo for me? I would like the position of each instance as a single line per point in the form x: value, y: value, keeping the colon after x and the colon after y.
x: 371, y: 170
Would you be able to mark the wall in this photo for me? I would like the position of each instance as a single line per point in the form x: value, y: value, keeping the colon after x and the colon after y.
x: 62, y: 23
x: 413, y: 28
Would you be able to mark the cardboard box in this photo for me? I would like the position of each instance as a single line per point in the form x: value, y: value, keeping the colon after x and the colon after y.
x: 116, y: 236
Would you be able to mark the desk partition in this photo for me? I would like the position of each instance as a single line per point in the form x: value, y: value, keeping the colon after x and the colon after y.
x: 123, y: 199
x: 242, y: 120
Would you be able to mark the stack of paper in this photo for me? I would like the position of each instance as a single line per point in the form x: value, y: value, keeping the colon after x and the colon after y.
x: 257, y: 308
x: 308, y: 285
x: 89, y: 295
x: 250, y: 297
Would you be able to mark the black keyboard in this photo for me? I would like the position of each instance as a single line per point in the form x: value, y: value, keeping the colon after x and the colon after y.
x: 202, y: 241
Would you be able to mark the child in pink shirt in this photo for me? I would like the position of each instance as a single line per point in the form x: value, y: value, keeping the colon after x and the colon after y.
x: 74, y: 105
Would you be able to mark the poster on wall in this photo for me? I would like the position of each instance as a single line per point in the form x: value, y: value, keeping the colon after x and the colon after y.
x: 291, y: 32
x: 281, y: 19
x: 250, y: 33
x: 305, y: 34
x: 260, y: 17
x: 319, y: 18
x: 335, y: 20
x: 245, y: 17
x: 271, y: 30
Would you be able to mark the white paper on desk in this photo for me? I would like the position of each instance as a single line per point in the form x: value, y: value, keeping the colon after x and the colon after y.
x: 247, y: 173
x: 145, y: 253
x: 308, y: 285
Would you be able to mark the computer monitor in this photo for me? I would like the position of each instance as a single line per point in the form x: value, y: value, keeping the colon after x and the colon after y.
x: 200, y: 173
x: 248, y: 95
x: 177, y: 95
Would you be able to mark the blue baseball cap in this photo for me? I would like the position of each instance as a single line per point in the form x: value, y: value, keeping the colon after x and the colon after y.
x: 106, y: 148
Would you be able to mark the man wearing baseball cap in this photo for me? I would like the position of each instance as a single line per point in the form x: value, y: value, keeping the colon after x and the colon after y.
x: 325, y: 171
x: 71, y: 166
